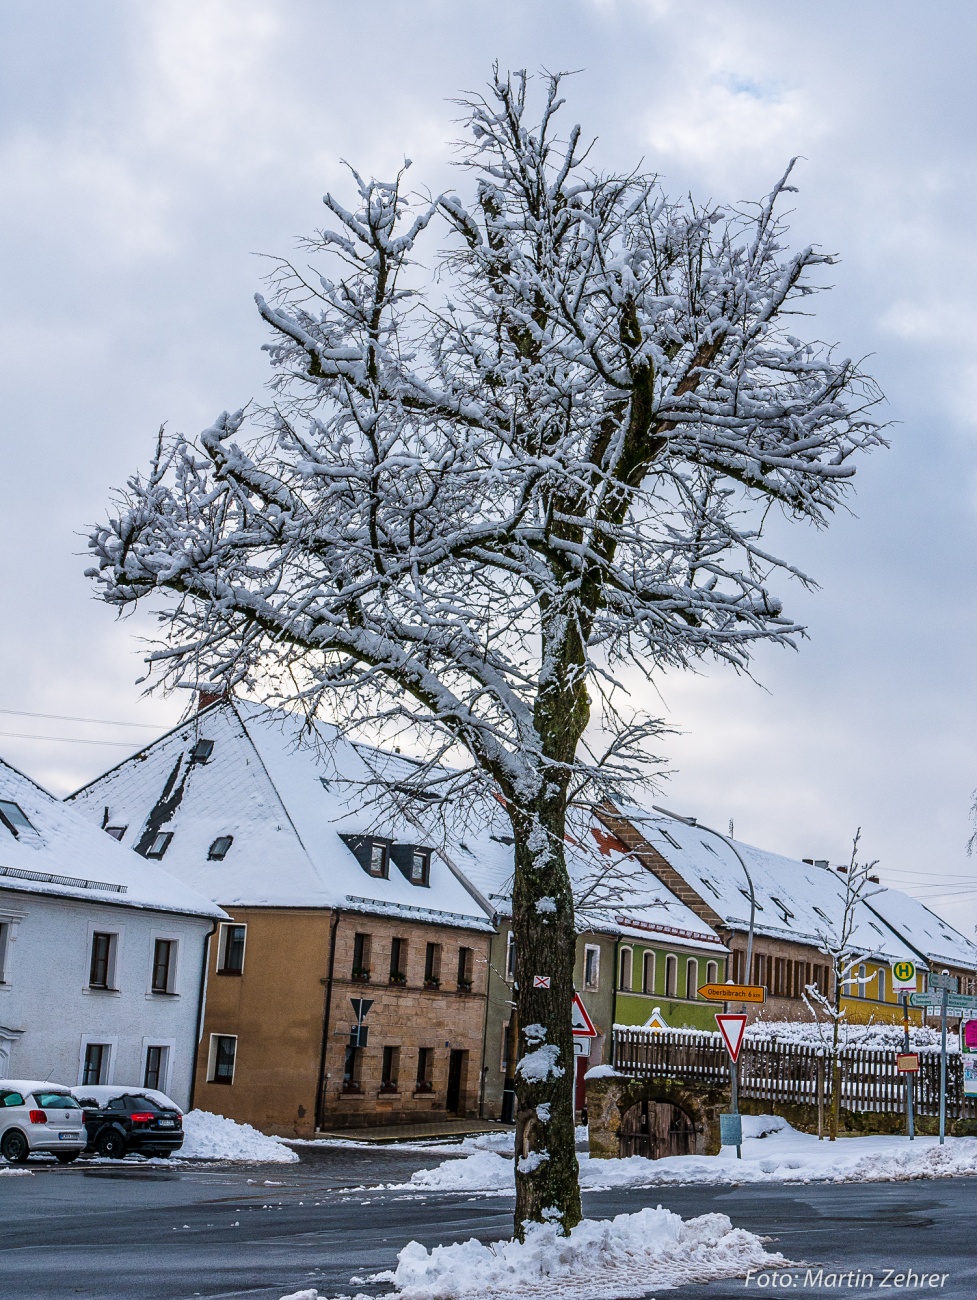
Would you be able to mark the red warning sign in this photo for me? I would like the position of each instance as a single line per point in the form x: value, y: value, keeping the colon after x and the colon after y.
x: 732, y: 1026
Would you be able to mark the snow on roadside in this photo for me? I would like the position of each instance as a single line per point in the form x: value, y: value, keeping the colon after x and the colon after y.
x: 7, y: 1171
x: 601, y: 1259
x: 214, y: 1137
x: 772, y: 1152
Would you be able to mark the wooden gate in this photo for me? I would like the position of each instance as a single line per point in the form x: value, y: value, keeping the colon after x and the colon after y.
x: 655, y: 1129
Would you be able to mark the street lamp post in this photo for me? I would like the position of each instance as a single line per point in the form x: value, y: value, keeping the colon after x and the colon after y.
x: 697, y: 825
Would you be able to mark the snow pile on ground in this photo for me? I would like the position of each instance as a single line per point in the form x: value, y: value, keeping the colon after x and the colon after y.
x: 7, y: 1171
x: 214, y: 1137
x: 600, y: 1260
x: 772, y: 1152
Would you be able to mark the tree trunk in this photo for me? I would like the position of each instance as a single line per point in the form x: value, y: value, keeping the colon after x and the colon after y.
x: 835, y: 1062
x: 547, y: 1186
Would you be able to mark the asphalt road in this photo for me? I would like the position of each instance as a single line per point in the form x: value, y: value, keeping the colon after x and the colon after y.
x: 122, y: 1232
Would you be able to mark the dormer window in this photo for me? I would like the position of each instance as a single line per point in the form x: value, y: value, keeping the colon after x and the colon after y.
x: 371, y: 852
x: 160, y: 844
x: 414, y: 862
x: 14, y: 818
x: 218, y: 850
x: 201, y: 751
x: 117, y: 832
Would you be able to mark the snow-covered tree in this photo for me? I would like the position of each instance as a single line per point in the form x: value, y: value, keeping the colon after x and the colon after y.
x: 489, y: 479
x: 840, y: 943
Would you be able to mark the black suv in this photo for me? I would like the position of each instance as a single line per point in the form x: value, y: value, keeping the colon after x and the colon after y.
x: 130, y: 1122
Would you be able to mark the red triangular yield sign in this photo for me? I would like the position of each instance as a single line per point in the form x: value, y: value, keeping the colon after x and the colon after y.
x: 732, y: 1027
x: 583, y: 1026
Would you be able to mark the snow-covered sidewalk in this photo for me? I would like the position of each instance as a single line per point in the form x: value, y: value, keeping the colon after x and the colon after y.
x: 772, y: 1152
x: 611, y: 1259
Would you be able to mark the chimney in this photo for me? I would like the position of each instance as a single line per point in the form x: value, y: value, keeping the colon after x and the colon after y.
x: 206, y: 698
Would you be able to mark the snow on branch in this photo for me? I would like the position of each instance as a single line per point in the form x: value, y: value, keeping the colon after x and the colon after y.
x: 516, y: 439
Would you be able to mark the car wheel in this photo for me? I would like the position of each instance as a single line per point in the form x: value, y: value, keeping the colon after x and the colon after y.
x: 66, y: 1157
x: 111, y: 1145
x: 14, y: 1147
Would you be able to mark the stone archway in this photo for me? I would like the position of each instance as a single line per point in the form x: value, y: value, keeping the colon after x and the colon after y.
x: 652, y: 1117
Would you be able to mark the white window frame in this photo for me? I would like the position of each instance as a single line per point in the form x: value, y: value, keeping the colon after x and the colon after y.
x: 671, y: 964
x: 691, y: 979
x: 9, y: 921
x: 115, y: 952
x: 510, y: 956
x: 212, y: 1059
x: 171, y: 990
x: 167, y: 1072
x: 629, y: 951
x: 104, y: 1040
x: 592, y: 986
x: 225, y: 934
x: 648, y: 958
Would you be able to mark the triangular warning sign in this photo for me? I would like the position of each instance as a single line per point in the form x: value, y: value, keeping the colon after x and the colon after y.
x: 583, y: 1026
x: 732, y: 1027
x: 656, y: 1021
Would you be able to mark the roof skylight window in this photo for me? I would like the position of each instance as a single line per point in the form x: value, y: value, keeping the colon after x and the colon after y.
x: 746, y: 895
x: 160, y: 844
x: 14, y: 817
x: 787, y: 913
x: 218, y: 850
x: 823, y: 915
x: 875, y: 927
x: 709, y: 885
x: 117, y: 832
x: 671, y: 838
x: 201, y: 751
x: 708, y: 846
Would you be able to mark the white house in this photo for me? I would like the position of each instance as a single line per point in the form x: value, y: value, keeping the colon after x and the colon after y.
x: 102, y: 954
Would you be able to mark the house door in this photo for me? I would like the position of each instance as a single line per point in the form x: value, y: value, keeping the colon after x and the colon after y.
x: 656, y: 1129
x: 457, y: 1063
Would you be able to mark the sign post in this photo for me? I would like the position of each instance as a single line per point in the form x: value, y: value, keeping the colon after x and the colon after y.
x: 910, y: 1081
x: 732, y: 1026
x: 942, y: 984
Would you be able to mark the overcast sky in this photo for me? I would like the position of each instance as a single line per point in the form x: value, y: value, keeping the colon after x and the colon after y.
x: 150, y: 148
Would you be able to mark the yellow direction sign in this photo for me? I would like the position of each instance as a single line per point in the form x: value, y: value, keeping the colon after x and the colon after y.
x: 733, y: 992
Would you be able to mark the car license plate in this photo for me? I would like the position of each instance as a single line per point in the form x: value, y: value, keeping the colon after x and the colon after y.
x: 68, y: 1137
x: 166, y: 1123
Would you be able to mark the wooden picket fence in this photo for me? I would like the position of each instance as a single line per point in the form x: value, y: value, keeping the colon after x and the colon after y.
x: 793, y: 1073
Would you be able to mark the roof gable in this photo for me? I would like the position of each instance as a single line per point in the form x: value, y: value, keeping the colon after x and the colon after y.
x: 64, y: 854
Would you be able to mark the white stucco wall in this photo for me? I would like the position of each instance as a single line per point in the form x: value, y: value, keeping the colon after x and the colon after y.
x: 48, y: 1013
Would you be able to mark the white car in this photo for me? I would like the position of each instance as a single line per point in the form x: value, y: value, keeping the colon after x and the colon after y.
x: 39, y: 1117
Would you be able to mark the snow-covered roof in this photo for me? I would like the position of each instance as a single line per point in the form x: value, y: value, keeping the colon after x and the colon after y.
x: 61, y: 852
x: 931, y: 936
x: 795, y: 900
x: 613, y: 893
x: 285, y: 798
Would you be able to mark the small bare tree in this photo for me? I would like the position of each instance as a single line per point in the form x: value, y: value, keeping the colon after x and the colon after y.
x: 846, y: 957
x: 477, y: 494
